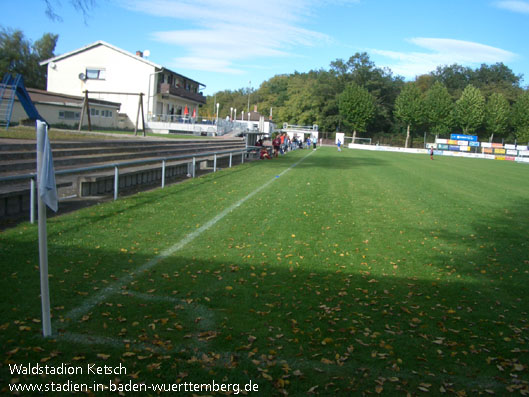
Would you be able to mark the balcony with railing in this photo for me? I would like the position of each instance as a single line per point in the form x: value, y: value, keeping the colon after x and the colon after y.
x: 166, y: 123
x: 168, y: 89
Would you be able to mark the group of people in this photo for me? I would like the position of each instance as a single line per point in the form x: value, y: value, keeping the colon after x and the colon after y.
x: 282, y: 144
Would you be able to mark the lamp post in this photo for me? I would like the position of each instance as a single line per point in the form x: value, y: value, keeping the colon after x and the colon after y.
x: 214, y: 103
x: 217, y: 113
x: 249, y: 87
x: 235, y: 113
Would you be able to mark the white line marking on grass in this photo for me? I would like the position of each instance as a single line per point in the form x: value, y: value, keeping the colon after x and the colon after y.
x: 103, y: 294
x: 207, y: 317
x: 154, y: 298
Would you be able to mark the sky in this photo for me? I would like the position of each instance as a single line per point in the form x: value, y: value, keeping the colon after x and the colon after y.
x: 233, y: 44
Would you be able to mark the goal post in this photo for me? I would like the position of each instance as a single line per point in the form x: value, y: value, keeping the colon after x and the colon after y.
x: 359, y: 141
x: 362, y: 141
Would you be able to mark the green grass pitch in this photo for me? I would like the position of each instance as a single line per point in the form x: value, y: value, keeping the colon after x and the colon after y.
x: 318, y: 273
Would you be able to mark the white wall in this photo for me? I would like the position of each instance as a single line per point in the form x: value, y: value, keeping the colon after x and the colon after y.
x: 50, y: 113
x: 123, y: 73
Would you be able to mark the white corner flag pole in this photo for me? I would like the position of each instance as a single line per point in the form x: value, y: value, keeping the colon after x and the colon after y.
x: 47, y: 190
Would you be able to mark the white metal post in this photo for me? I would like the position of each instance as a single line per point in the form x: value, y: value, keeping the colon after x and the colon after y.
x: 163, y: 174
x: 43, y: 239
x: 231, y: 156
x: 215, y: 162
x: 32, y: 201
x: 116, y: 182
x: 194, y: 165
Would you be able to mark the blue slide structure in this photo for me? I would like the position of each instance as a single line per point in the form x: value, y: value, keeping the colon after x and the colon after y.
x: 10, y: 87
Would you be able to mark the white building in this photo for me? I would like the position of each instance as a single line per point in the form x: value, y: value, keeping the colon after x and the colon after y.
x: 255, y: 122
x: 112, y: 74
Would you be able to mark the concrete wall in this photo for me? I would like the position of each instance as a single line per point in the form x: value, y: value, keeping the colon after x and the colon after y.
x: 54, y: 114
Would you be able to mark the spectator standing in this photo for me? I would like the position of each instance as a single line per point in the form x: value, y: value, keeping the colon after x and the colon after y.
x: 282, y: 143
x: 276, y: 143
x: 287, y: 143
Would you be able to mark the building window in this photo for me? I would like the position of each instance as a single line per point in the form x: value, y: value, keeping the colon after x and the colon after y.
x: 94, y: 112
x: 95, y: 74
x: 69, y: 115
x: 106, y: 113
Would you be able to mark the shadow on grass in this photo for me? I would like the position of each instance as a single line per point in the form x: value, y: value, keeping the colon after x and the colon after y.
x: 495, y: 250
x: 297, y: 326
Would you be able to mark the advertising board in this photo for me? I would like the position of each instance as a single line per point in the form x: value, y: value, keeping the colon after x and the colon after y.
x: 463, y: 137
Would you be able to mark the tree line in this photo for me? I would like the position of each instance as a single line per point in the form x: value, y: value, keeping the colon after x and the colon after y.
x: 356, y: 96
x: 353, y: 96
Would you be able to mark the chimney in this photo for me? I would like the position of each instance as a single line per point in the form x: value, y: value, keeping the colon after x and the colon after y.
x: 255, y: 108
x: 139, y: 54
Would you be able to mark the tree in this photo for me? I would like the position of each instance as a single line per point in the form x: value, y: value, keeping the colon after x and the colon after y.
x: 273, y: 93
x: 520, y: 117
x: 380, y: 83
x: 497, y: 111
x: 497, y: 78
x: 300, y: 107
x: 469, y: 110
x: 357, y: 107
x: 84, y: 6
x: 424, y: 82
x: 409, y: 108
x: 438, y: 107
x: 18, y: 55
x: 326, y: 89
x: 454, y: 77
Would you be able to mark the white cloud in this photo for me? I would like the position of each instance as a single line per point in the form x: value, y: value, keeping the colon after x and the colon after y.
x: 514, y: 5
x: 441, y: 52
x: 220, y: 33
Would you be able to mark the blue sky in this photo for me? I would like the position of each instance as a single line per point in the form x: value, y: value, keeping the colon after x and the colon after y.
x: 226, y: 44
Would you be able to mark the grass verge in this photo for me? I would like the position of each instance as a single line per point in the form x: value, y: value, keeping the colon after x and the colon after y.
x: 23, y: 132
x: 348, y: 273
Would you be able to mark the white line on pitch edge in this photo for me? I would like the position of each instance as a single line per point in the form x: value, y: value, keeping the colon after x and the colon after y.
x: 114, y: 287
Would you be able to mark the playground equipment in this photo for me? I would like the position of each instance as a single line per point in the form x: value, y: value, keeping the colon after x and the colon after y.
x: 10, y: 87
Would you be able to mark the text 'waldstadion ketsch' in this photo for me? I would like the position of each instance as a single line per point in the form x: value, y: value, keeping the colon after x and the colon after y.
x: 65, y: 369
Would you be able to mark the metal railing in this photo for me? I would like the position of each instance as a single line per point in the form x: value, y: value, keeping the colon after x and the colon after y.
x: 193, y: 157
x: 177, y: 118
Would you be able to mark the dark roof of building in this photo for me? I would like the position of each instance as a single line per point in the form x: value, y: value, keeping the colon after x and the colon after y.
x: 41, y: 96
